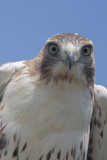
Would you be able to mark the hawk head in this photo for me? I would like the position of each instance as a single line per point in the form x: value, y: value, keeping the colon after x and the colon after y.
x: 67, y: 57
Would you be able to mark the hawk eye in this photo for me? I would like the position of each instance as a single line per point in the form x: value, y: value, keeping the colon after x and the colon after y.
x: 86, y: 50
x: 53, y: 48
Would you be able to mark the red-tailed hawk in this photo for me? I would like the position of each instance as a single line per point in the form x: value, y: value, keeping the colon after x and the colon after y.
x: 46, y: 103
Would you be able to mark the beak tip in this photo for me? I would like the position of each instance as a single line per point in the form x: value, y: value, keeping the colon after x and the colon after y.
x: 70, y: 61
x: 70, y: 65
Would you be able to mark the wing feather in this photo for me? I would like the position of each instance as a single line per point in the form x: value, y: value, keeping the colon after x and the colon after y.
x: 98, y: 134
x: 6, y: 73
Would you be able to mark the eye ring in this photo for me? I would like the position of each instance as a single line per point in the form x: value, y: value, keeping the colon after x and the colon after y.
x: 53, y: 48
x: 86, y: 50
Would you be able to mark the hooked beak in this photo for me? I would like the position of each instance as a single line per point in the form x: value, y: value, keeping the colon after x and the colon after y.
x: 70, y: 61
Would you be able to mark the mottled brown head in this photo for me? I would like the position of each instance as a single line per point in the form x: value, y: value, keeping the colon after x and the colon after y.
x: 67, y: 57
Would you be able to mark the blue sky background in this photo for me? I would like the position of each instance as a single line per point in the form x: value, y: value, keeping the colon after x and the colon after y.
x: 25, y: 25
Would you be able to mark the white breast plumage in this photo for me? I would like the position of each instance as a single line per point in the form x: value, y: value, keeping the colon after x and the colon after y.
x: 46, y: 103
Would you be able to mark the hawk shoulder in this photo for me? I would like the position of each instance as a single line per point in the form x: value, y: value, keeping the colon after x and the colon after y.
x: 98, y: 134
x: 7, y: 71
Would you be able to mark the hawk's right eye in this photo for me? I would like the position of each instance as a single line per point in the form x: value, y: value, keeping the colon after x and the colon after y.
x: 53, y: 48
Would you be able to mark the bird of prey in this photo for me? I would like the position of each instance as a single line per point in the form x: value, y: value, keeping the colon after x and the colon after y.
x: 46, y: 103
